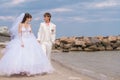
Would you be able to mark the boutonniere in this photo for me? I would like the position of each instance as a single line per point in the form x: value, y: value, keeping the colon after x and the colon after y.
x: 52, y: 30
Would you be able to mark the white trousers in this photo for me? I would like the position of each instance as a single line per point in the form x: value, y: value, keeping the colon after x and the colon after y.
x: 47, y: 47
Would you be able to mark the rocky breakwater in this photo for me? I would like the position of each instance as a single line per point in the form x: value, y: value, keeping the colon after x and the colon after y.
x: 4, y: 36
x: 97, y: 43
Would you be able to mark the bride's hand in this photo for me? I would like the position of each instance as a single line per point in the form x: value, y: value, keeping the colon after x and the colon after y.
x: 22, y: 45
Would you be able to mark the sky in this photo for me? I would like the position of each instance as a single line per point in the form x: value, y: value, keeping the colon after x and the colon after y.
x: 72, y: 17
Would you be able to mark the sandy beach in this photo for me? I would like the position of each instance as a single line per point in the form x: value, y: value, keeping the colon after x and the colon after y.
x: 61, y: 73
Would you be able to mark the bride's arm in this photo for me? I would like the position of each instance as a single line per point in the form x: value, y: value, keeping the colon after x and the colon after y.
x: 31, y: 29
x: 20, y: 34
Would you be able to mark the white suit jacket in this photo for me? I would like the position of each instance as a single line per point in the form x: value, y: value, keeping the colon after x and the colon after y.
x: 47, y: 33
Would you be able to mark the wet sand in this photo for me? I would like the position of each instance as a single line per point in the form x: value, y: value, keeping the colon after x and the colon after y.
x: 102, y: 65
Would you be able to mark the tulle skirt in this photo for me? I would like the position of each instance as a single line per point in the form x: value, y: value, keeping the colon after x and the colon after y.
x: 30, y: 58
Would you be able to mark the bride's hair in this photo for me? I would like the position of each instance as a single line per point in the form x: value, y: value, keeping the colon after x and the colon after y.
x: 27, y: 15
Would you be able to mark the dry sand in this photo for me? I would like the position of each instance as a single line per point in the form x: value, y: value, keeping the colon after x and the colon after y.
x: 61, y: 73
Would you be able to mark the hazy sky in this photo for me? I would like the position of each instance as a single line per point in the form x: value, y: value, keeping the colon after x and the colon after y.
x: 72, y: 17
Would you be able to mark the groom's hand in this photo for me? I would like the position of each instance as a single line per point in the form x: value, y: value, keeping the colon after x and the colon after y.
x: 38, y: 41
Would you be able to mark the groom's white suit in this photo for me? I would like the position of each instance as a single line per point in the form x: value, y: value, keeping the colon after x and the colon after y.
x: 46, y: 36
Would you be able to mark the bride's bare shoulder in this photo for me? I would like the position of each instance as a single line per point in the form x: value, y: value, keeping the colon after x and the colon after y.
x: 20, y: 25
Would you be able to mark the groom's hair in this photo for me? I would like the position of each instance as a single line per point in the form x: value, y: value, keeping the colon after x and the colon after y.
x: 47, y: 14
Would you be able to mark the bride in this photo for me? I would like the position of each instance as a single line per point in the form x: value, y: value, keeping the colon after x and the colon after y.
x: 23, y: 54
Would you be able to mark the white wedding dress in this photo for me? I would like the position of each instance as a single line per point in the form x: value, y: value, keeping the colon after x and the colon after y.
x: 30, y: 58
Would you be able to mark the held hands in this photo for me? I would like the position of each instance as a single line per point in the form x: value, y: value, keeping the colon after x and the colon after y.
x: 22, y: 45
x: 38, y: 41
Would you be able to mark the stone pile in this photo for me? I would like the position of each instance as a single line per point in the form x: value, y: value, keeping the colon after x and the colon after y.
x: 97, y: 43
x: 4, y: 36
x: 4, y: 31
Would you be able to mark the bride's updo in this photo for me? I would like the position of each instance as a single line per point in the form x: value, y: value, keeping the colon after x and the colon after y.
x: 27, y: 15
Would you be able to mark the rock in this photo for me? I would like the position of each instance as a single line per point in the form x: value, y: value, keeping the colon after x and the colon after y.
x: 80, y: 49
x: 2, y: 44
x: 99, y: 38
x: 94, y: 40
x: 73, y: 49
x: 67, y: 46
x: 105, y: 42
x: 67, y: 40
x: 4, y: 34
x: 109, y: 48
x: 61, y: 45
x: 112, y: 39
x: 115, y: 45
x: 101, y: 48
x: 118, y: 37
x: 57, y: 44
x: 87, y: 49
x: 4, y: 31
x: 79, y: 38
x: 71, y: 40
x: 118, y: 42
x: 87, y: 41
x: 4, y: 38
x: 93, y: 47
x: 118, y: 48
x: 76, y: 49
x: 79, y: 43
x: 63, y: 40
x: 65, y: 50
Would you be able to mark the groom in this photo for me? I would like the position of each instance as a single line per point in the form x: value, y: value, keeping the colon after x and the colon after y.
x: 46, y: 34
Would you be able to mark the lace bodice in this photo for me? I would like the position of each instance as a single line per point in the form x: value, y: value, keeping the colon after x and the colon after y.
x: 26, y: 31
